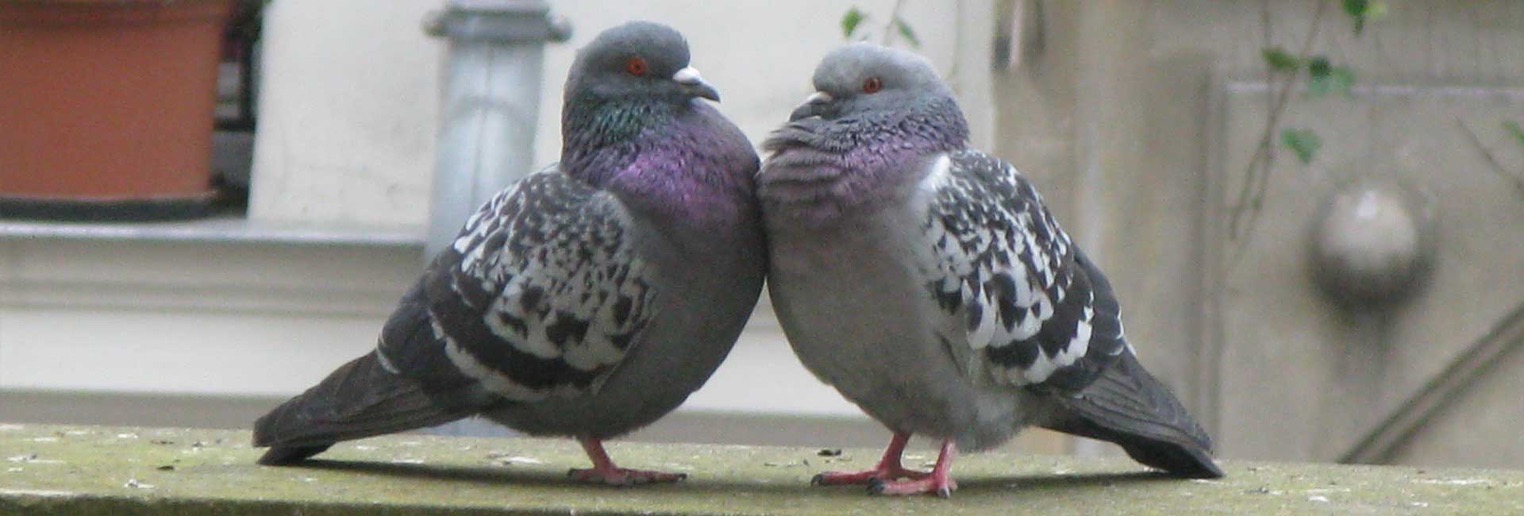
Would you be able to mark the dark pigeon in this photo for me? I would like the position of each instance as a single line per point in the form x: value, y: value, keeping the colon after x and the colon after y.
x: 588, y: 299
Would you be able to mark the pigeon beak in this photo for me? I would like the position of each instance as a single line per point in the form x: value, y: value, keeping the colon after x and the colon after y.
x: 693, y: 84
x: 814, y: 105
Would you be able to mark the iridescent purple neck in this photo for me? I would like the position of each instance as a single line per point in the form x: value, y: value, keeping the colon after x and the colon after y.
x: 693, y: 169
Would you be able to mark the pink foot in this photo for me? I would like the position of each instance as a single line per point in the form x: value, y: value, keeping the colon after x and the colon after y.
x: 887, y: 470
x: 936, y: 483
x: 843, y: 478
x: 605, y: 472
x: 890, y: 478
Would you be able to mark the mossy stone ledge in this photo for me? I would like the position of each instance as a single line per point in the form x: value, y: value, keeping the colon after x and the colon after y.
x: 50, y: 469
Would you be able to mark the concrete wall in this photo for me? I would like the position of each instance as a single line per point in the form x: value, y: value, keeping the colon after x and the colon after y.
x: 1139, y: 119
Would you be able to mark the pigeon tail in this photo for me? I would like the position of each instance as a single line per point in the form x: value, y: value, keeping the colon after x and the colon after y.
x: 1127, y: 406
x: 359, y: 399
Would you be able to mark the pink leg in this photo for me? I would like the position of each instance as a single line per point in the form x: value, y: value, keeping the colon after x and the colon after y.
x: 937, y: 483
x: 887, y: 470
x: 605, y: 472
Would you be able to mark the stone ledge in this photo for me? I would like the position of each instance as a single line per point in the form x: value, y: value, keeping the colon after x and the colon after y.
x: 111, y: 470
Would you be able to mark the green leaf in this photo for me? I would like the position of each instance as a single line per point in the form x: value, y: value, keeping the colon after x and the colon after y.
x: 1304, y: 142
x: 1362, y: 11
x: 851, y: 20
x: 1513, y: 128
x: 1318, y: 66
x: 1356, y: 8
x: 906, y: 32
x: 1324, y: 78
x: 1281, y: 61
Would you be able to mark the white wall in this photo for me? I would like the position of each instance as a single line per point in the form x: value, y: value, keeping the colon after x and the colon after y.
x: 347, y: 113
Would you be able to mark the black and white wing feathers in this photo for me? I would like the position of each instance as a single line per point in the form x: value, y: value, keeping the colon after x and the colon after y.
x: 1036, y: 312
x: 543, y: 293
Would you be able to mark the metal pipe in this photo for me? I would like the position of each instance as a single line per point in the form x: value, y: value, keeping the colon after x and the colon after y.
x: 490, y: 105
x: 490, y: 110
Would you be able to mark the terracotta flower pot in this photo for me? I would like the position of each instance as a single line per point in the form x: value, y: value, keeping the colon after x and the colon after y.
x: 106, y: 107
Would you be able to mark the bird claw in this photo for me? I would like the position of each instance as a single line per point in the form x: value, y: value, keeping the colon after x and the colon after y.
x: 623, y: 477
x: 891, y: 478
x: 875, y: 486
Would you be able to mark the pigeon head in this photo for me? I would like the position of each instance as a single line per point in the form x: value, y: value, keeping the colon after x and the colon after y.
x: 863, y: 78
x: 876, y: 115
x: 637, y: 60
x: 633, y: 123
x: 628, y: 79
x: 872, y: 84
x: 880, y: 97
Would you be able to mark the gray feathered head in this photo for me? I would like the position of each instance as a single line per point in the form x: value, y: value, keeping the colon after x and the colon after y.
x: 629, y: 80
x: 863, y: 84
x: 637, y: 60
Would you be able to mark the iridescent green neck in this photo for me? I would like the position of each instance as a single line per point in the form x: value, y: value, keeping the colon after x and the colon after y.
x: 598, y: 135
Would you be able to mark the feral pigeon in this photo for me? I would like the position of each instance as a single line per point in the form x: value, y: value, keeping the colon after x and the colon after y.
x: 927, y: 282
x: 586, y: 300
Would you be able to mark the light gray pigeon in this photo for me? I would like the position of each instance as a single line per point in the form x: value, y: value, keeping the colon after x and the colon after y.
x: 927, y: 282
x: 588, y: 299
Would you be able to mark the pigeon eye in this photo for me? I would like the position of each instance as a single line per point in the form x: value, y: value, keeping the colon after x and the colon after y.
x: 636, y: 66
x: 872, y: 85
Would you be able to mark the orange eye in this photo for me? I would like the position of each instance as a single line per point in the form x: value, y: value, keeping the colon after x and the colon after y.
x: 636, y: 66
x: 872, y: 85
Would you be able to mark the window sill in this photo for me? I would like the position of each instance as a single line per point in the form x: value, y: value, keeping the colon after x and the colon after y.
x: 217, y: 229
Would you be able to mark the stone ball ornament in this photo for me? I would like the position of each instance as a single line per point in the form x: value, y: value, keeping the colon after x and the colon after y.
x: 1373, y: 243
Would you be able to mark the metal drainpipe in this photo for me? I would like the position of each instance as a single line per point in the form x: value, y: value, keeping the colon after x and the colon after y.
x: 489, y: 114
x: 491, y: 104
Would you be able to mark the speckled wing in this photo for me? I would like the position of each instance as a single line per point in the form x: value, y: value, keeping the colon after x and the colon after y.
x: 1031, y: 309
x: 543, y: 293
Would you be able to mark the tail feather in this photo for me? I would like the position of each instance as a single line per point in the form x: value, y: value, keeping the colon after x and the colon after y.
x: 1127, y: 406
x: 359, y: 399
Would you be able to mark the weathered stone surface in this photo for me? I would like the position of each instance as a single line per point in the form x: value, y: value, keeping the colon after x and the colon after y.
x: 105, y: 470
